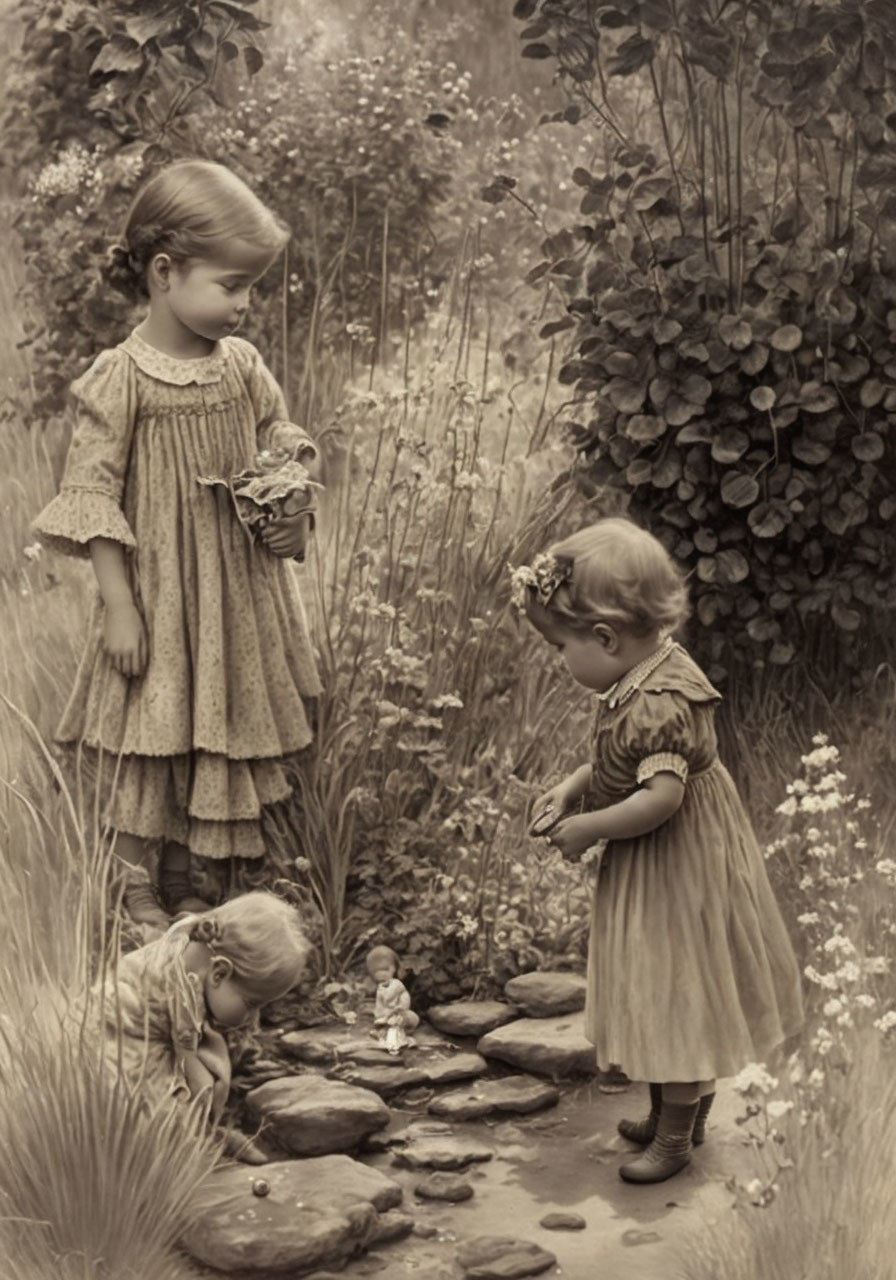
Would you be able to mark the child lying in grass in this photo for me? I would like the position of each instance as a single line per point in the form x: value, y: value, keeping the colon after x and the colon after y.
x: 168, y: 1003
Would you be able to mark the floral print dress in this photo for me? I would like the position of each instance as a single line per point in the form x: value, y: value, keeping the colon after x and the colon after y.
x: 691, y: 973
x: 198, y: 743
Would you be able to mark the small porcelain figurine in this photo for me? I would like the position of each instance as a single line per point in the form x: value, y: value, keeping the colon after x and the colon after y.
x: 393, y: 1016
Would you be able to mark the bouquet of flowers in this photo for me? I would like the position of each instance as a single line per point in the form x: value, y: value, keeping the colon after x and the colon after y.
x: 276, y: 485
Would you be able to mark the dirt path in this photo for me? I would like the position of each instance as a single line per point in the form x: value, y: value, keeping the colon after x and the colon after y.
x: 567, y: 1159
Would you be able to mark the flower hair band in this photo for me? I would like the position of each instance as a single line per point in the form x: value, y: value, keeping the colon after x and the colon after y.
x: 545, y: 576
x: 206, y: 929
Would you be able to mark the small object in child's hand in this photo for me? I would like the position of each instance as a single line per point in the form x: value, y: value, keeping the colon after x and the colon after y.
x: 260, y: 1187
x: 544, y: 822
x: 277, y: 485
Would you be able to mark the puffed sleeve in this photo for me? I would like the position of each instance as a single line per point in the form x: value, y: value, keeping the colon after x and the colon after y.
x: 273, y: 429
x: 659, y: 735
x: 89, y: 502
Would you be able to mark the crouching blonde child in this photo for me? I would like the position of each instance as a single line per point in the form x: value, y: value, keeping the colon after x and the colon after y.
x: 691, y: 974
x: 167, y: 1006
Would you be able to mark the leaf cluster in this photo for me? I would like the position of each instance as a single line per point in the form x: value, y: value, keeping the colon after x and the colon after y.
x: 730, y: 291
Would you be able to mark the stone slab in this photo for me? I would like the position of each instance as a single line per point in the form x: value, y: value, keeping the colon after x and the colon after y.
x: 547, y: 993
x: 555, y: 1047
x: 317, y: 1212
x: 471, y: 1017
x: 312, y: 1116
x: 518, y: 1094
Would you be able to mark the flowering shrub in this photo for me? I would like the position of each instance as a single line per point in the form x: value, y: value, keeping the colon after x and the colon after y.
x: 98, y: 96
x: 844, y: 899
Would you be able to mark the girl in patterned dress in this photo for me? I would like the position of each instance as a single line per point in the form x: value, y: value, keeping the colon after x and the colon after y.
x: 192, y: 686
x: 691, y: 974
x: 168, y: 1005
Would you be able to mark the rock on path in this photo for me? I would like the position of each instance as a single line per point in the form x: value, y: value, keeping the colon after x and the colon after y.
x: 318, y: 1212
x: 471, y: 1017
x: 547, y: 994
x: 312, y: 1116
x: 519, y: 1094
x: 554, y: 1047
x: 503, y: 1258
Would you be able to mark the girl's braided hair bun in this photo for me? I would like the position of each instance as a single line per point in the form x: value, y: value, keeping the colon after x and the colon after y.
x: 127, y: 261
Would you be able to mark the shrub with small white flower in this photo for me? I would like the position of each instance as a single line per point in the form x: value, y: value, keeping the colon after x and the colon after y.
x: 843, y: 898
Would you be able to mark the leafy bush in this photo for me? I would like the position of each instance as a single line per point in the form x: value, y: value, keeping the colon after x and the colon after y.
x: 99, y: 96
x: 731, y: 287
x: 356, y: 154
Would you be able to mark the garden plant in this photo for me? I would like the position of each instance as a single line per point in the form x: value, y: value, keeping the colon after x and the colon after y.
x: 677, y: 298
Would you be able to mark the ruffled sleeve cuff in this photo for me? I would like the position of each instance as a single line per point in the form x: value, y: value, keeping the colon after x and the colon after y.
x: 290, y: 437
x: 662, y: 762
x: 76, y: 516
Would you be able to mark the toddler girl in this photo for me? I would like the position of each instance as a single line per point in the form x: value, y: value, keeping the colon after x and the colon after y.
x: 198, y: 663
x: 690, y: 970
x: 167, y: 1003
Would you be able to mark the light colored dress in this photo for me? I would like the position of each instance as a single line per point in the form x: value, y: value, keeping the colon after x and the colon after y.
x: 204, y: 732
x: 155, y: 1018
x: 691, y: 973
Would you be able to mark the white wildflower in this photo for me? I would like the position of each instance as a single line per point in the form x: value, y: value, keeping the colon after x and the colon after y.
x: 754, y: 1076
x: 778, y: 1108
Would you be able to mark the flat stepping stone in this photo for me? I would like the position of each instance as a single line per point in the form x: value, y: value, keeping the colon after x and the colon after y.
x: 390, y: 1226
x: 444, y: 1186
x: 316, y: 1213
x: 471, y: 1017
x: 503, y: 1258
x: 460, y: 1066
x: 441, y: 1151
x: 333, y: 1042
x: 312, y: 1116
x: 547, y: 994
x: 518, y: 1094
x: 555, y: 1047
x: 563, y: 1222
x: 385, y: 1080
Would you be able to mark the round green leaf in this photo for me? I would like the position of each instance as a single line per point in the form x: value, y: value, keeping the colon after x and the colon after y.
x: 845, y: 618
x: 768, y: 519
x: 667, y: 472
x: 708, y: 608
x: 639, y: 472
x: 665, y: 330
x: 622, y: 364
x: 817, y: 397
x: 735, y: 332
x: 787, y: 338
x: 678, y: 410
x: 754, y: 359
x: 781, y: 653
x: 706, y: 569
x: 730, y: 444
x: 644, y: 427
x: 694, y: 351
x: 706, y: 540
x: 732, y: 567
x: 739, y: 490
x: 812, y: 452
x: 887, y: 509
x: 868, y: 447
x: 762, y: 628
x: 696, y: 388
x: 871, y: 393
x: 625, y: 395
x: 762, y: 398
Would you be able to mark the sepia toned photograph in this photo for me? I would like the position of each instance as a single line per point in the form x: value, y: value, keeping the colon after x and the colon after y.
x: 447, y: 648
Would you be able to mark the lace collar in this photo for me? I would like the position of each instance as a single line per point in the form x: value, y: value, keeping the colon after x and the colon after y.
x: 628, y: 684
x: 178, y: 373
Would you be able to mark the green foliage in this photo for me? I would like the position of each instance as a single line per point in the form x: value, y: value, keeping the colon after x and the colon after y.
x: 356, y: 154
x: 99, y: 96
x: 731, y: 288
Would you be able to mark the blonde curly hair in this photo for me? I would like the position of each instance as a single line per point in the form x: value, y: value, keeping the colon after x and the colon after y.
x: 262, y: 937
x: 617, y: 573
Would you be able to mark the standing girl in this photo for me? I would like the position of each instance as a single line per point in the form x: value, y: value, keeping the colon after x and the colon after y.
x: 194, y: 677
x: 690, y: 970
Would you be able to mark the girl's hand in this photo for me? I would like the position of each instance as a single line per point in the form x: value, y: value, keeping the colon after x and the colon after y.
x: 549, y: 808
x: 572, y: 836
x: 124, y: 638
x: 288, y: 536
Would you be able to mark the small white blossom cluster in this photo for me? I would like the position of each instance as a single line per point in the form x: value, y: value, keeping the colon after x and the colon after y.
x: 73, y: 172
